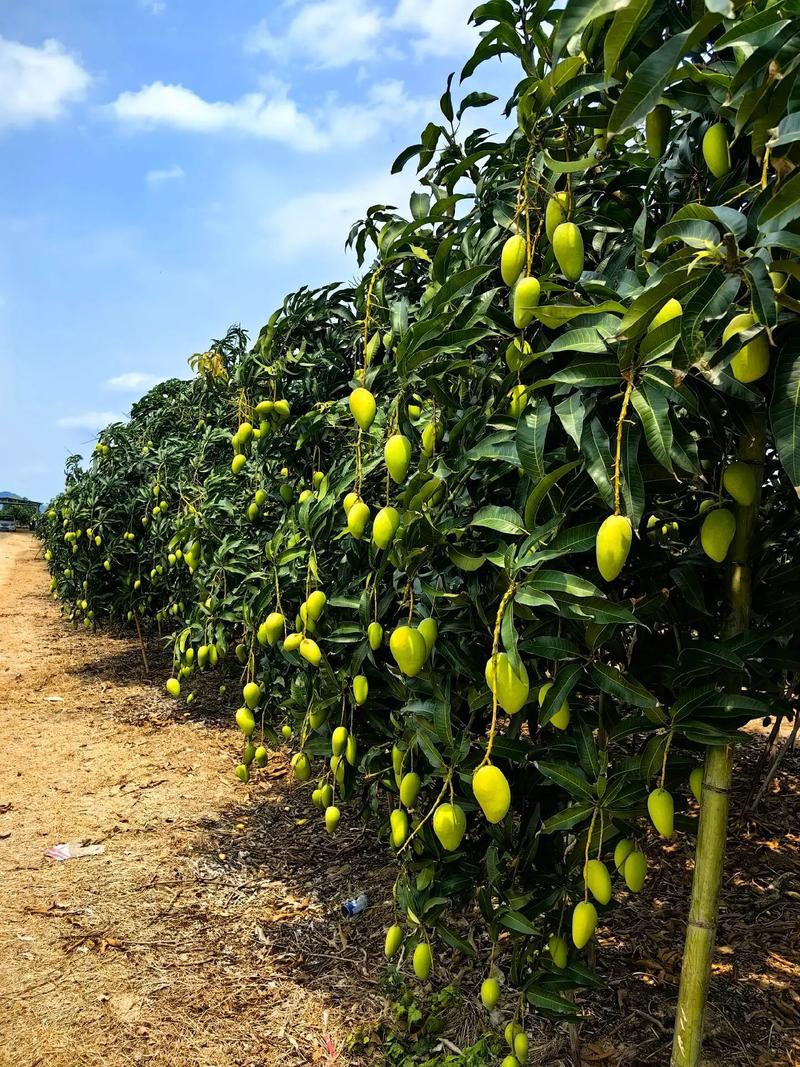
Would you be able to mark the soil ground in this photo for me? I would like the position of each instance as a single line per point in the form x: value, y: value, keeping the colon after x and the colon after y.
x: 208, y: 933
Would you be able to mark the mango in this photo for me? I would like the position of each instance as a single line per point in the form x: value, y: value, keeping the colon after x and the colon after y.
x: 492, y: 792
x: 261, y: 756
x: 490, y: 993
x: 559, y: 951
x: 449, y: 825
x: 286, y: 730
x: 584, y: 922
x: 305, y: 495
x: 326, y: 795
x: 375, y: 635
x: 526, y: 297
x: 511, y: 688
x: 656, y: 129
x: 349, y: 500
x: 716, y: 152
x: 752, y: 361
x: 281, y: 409
x: 397, y: 456
x: 173, y: 687
x: 431, y: 437
x: 249, y: 754
x: 429, y: 628
x: 301, y: 766
x: 623, y: 849
x: 274, y: 627
x: 338, y: 740
x: 598, y: 881
x: 394, y: 939
x: 423, y: 960
x: 310, y: 651
x: 292, y: 642
x: 613, y: 545
x: 671, y: 310
x: 635, y: 871
x: 363, y: 407
x: 251, y: 694
x: 351, y: 750
x: 245, y: 720
x: 521, y: 1047
x: 360, y: 689
x: 661, y: 809
x: 517, y: 351
x: 237, y: 463
x: 332, y: 816
x: 409, y: 650
x: 740, y: 481
x: 568, y: 250
x: 696, y: 783
x: 398, y: 827
x: 717, y: 532
x: 316, y: 604
x: 384, y: 527
x: 357, y: 519
x: 398, y: 756
x: 510, y: 1032
x: 410, y: 785
x: 555, y: 213
x: 517, y: 399
x: 242, y: 772
x: 513, y: 258
x: 561, y: 718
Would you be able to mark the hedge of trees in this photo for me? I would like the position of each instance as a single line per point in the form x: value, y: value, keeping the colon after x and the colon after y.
x: 503, y: 538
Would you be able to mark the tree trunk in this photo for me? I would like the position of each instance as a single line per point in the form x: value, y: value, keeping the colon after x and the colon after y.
x: 710, y: 850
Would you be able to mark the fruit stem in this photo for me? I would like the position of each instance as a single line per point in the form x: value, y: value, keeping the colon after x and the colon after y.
x: 586, y: 854
x: 367, y: 310
x: 628, y: 375
x: 664, y: 761
x: 717, y: 776
x: 498, y: 622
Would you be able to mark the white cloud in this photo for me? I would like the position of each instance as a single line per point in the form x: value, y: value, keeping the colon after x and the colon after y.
x: 88, y: 420
x: 36, y: 84
x: 326, y: 33
x: 440, y: 27
x: 168, y: 174
x: 155, y: 7
x: 321, y: 221
x: 337, y: 33
x: 275, y: 117
x: 133, y: 382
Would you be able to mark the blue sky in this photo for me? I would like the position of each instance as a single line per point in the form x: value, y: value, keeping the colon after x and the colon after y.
x: 173, y: 166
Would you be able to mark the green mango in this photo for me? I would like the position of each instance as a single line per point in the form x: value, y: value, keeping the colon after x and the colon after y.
x: 511, y: 688
x: 716, y: 151
x: 568, y: 250
x: 661, y: 809
x: 584, y: 923
x: 449, y: 825
x: 513, y: 258
x: 717, y: 532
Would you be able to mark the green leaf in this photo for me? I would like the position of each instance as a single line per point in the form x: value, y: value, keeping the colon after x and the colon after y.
x: 568, y: 777
x: 620, y: 33
x: 784, y: 410
x: 560, y: 582
x: 564, y: 682
x: 576, y: 15
x: 567, y: 817
x: 622, y: 687
x: 652, y: 76
x: 783, y: 206
x: 551, y: 1002
x: 516, y: 921
x: 599, y: 464
x: 531, y: 434
x: 504, y: 520
x: 653, y: 409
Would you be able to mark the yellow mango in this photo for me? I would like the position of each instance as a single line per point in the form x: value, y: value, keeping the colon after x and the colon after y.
x: 409, y: 650
x: 598, y: 881
x: 397, y: 455
x: 717, y: 532
x: 511, y: 687
x: 492, y: 792
x: 661, y: 809
x: 385, y: 526
x: 568, y: 250
x: 526, y: 297
x: 363, y: 407
x: 613, y: 545
x: 512, y: 258
x: 635, y: 871
x: 449, y: 825
x: 584, y: 922
x: 357, y: 519
x: 555, y: 213
x: 561, y: 717
x: 751, y: 362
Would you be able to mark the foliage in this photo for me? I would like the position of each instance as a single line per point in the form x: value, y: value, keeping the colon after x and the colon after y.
x: 518, y: 458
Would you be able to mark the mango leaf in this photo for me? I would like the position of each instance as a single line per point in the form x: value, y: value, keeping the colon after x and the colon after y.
x: 622, y: 687
x: 784, y: 410
x: 568, y: 777
x: 620, y: 33
x: 653, y: 409
x: 531, y: 434
x: 564, y: 682
x: 504, y: 520
x: 567, y: 817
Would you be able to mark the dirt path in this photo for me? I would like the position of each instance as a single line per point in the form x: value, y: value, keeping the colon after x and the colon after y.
x: 196, y: 938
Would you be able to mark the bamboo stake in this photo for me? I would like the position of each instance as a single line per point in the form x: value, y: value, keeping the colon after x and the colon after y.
x: 710, y: 851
